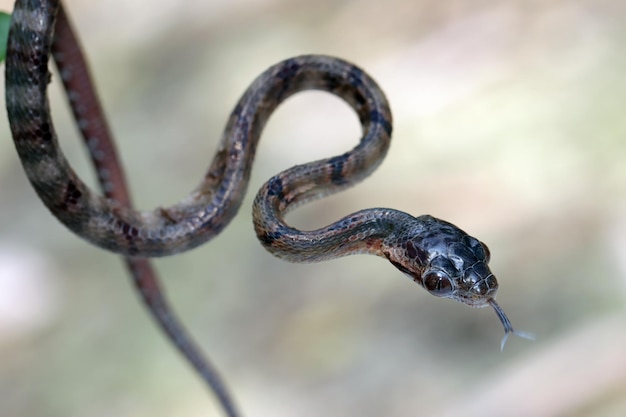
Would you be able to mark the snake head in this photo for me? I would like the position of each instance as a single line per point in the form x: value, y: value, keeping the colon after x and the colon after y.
x: 448, y: 263
x: 444, y: 260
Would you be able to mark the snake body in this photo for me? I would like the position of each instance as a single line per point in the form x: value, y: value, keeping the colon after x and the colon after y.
x: 439, y: 256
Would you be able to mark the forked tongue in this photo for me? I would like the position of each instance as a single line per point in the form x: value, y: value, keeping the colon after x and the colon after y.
x: 508, y: 327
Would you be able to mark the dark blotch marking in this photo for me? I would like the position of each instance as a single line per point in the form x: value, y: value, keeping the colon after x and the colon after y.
x: 39, y: 60
x: 289, y: 68
x: 32, y: 57
x: 378, y: 118
x: 359, y: 99
x: 44, y: 132
x: 416, y: 253
x: 275, y: 187
x: 268, y: 238
x: 71, y: 196
x: 332, y: 83
x: 286, y: 73
x: 129, y: 232
x: 411, y: 250
x: 336, y: 164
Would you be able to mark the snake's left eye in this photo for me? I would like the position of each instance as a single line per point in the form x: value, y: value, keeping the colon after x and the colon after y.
x: 437, y: 284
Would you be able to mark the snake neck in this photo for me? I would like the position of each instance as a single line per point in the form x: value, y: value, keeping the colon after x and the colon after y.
x: 362, y: 232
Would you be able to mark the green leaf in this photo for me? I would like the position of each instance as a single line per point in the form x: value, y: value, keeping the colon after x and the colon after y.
x: 5, y: 20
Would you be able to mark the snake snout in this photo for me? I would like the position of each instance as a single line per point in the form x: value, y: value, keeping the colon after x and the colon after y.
x: 481, y: 285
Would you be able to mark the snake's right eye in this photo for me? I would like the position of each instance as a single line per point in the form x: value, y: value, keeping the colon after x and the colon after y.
x: 437, y: 284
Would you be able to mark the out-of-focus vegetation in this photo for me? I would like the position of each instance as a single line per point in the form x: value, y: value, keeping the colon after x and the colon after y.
x: 508, y: 121
x: 5, y: 19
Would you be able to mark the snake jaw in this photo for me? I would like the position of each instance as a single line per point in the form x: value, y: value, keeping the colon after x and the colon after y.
x: 508, y: 327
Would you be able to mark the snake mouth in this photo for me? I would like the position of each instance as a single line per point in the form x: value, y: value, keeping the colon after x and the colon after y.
x: 473, y: 301
x: 477, y: 296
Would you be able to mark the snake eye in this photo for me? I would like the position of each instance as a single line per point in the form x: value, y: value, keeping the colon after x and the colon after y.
x: 437, y: 284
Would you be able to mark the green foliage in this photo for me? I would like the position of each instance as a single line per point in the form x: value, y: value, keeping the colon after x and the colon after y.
x: 5, y: 20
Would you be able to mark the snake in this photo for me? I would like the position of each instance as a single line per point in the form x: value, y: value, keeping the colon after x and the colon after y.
x: 439, y: 256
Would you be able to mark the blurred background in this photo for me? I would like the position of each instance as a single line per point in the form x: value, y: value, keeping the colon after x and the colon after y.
x: 508, y: 121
